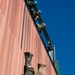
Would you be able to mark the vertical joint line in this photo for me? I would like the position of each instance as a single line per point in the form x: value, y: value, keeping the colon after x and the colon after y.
x: 23, y: 28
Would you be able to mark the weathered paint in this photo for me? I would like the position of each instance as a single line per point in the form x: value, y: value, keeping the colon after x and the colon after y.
x: 11, y: 39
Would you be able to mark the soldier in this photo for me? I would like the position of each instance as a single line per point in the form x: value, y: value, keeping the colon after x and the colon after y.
x: 40, y: 26
x: 31, y: 3
x: 40, y: 69
x: 28, y: 69
x: 35, y: 14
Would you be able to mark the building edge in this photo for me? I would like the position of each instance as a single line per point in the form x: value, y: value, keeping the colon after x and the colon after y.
x: 42, y: 40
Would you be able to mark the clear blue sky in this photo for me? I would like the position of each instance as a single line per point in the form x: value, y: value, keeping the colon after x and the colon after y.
x: 59, y: 16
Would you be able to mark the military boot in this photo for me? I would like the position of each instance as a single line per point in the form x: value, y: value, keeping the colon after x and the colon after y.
x: 40, y: 69
x: 28, y: 69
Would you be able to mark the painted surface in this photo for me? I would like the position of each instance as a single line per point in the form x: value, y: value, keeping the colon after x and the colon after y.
x: 16, y: 38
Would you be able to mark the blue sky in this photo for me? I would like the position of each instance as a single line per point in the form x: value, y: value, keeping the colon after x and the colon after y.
x: 59, y: 16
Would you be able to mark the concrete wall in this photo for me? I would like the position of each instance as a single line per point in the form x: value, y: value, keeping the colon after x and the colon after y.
x: 16, y: 38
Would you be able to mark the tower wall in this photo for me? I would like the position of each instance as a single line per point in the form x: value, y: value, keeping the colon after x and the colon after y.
x: 18, y: 34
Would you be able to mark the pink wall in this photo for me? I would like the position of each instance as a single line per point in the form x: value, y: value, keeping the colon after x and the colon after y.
x: 11, y: 53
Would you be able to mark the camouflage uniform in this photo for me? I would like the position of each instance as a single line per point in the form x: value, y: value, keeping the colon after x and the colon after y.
x: 40, y: 69
x: 28, y: 69
x: 40, y: 26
